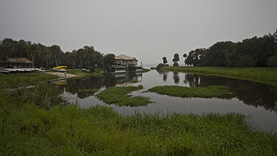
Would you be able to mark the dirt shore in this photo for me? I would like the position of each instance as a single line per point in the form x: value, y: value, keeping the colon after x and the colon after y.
x: 61, y: 74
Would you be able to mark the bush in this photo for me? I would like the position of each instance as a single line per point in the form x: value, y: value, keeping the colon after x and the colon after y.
x: 272, y: 61
x: 245, y: 61
x: 175, y: 64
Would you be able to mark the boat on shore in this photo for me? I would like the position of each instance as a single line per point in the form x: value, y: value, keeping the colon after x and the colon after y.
x: 19, y: 70
x: 59, y: 68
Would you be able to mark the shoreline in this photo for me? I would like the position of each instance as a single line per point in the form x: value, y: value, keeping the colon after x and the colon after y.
x: 255, y: 74
x: 61, y: 74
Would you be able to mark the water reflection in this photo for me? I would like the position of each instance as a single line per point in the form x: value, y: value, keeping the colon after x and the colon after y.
x: 250, y: 93
x: 165, y: 76
x: 88, y: 86
x: 176, y: 77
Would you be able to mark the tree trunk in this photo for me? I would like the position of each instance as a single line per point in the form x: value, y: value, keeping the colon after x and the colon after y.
x: 33, y: 62
x: 46, y: 64
x: 56, y: 61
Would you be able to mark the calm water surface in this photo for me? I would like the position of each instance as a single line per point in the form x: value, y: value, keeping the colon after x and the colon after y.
x: 257, y: 101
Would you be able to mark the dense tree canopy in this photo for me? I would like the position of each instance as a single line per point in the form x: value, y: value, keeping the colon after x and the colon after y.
x: 51, y: 56
x: 253, y: 52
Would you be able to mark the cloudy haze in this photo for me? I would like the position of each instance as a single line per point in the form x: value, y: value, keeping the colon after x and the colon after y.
x: 145, y: 29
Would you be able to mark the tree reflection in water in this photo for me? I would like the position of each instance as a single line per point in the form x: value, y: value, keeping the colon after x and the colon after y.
x: 88, y: 86
x: 251, y: 93
x: 176, y: 77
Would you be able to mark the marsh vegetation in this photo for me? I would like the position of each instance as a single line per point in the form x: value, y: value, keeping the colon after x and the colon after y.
x: 119, y: 96
x: 101, y: 131
x: 188, y: 92
x: 38, y: 121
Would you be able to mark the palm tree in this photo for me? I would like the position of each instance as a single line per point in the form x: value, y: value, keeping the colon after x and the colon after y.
x: 46, y: 54
x: 176, y: 59
x: 55, y: 50
x: 7, y: 46
x: 82, y: 55
x: 185, y: 56
x: 164, y: 60
x: 33, y: 50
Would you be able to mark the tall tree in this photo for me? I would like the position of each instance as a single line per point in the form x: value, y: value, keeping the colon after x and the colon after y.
x: 33, y: 51
x: 73, y: 58
x: 185, y: 56
x: 82, y: 53
x: 164, y: 60
x: 46, y: 54
x: 109, y: 60
x: 55, y: 50
x: 22, y: 47
x: 275, y: 36
x: 97, y: 58
x: 176, y: 59
x: 7, y: 47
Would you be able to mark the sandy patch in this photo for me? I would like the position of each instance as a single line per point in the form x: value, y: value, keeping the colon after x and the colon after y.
x: 61, y: 74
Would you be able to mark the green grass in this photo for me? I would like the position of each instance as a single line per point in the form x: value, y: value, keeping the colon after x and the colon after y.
x: 178, y: 91
x: 134, y: 81
x: 80, y: 73
x: 23, y: 79
x: 29, y: 130
x: 88, y: 90
x: 261, y: 75
x: 118, y: 96
x: 146, y: 70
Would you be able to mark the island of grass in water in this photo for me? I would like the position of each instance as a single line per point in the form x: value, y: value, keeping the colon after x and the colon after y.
x: 186, y: 92
x: 118, y: 96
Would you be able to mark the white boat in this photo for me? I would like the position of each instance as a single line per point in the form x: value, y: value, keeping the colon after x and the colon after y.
x: 17, y: 70
x: 3, y: 70
x: 120, y: 71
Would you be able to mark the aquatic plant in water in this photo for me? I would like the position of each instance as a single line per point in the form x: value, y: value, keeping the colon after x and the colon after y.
x: 179, y: 91
x: 118, y: 96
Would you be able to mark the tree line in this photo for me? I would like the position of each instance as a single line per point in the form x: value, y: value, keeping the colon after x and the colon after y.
x: 252, y: 52
x: 51, y: 56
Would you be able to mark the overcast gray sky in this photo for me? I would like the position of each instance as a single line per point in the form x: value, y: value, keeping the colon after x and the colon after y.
x: 145, y: 29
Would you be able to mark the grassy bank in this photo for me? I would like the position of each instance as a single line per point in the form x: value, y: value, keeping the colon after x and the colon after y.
x: 78, y: 72
x: 178, y: 91
x: 261, y: 75
x: 23, y: 79
x: 118, y: 96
